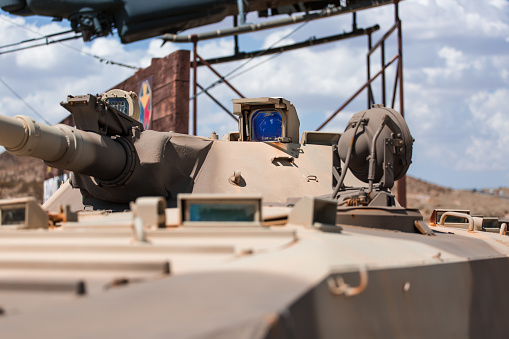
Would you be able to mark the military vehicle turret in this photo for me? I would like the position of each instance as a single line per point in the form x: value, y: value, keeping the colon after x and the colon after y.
x: 115, y: 161
x: 262, y: 234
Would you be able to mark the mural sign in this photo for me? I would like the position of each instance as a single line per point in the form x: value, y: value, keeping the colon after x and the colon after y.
x: 145, y: 99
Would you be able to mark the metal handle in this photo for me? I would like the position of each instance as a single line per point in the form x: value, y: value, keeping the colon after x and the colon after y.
x: 337, y: 285
x: 283, y: 158
x: 459, y: 215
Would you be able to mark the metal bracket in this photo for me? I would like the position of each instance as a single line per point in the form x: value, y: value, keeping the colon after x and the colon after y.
x: 387, y: 180
x: 503, y: 229
x: 148, y: 212
x: 92, y: 114
x: 242, y: 11
x: 140, y: 236
x: 336, y: 166
x: 423, y: 228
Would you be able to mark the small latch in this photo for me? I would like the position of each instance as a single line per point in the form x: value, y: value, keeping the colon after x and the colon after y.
x: 284, y: 139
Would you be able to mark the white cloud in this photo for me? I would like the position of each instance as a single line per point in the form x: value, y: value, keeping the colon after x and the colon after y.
x: 105, y: 47
x: 453, y: 58
x: 215, y: 48
x: 487, y: 148
x: 157, y: 50
x: 279, y: 38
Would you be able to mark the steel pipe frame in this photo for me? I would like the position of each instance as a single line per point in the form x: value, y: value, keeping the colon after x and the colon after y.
x: 401, y: 182
x: 195, y: 84
x: 199, y: 61
x: 328, y: 12
x: 401, y: 189
x: 196, y: 58
x: 217, y: 102
x: 366, y: 84
x: 299, y: 45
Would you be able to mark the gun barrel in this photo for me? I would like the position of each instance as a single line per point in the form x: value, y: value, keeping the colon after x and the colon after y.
x: 64, y: 147
x: 12, y: 132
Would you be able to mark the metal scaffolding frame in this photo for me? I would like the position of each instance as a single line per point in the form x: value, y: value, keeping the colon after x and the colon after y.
x: 398, y: 82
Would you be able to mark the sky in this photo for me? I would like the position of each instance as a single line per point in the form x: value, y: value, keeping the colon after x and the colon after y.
x: 456, y: 78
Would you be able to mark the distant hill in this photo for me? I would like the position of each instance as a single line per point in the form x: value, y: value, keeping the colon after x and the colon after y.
x: 426, y: 197
x: 22, y: 176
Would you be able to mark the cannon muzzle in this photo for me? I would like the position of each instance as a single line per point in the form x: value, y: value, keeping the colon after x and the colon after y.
x: 65, y: 147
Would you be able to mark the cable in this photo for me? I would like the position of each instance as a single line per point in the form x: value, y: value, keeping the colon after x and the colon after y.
x: 21, y: 26
x: 35, y: 39
x: 348, y: 157
x: 26, y: 103
x: 48, y: 42
x: 229, y: 75
x: 101, y: 59
x: 265, y: 50
x: 258, y: 64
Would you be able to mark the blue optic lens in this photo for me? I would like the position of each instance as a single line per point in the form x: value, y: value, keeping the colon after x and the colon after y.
x: 266, y: 125
x: 119, y: 103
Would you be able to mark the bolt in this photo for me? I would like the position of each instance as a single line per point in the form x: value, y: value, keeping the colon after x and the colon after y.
x: 406, y: 286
